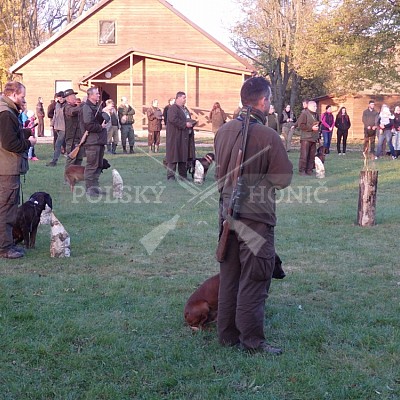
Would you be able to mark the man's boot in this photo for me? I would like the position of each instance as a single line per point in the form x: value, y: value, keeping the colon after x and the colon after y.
x: 124, y: 149
x: 157, y: 149
x: 131, y: 150
x: 150, y: 149
x: 109, y: 148
x: 114, y: 149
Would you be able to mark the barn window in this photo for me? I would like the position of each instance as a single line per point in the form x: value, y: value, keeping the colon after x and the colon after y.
x: 106, y: 32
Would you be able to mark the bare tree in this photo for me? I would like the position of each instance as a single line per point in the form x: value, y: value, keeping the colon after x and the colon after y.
x: 269, y: 35
x: 25, y: 24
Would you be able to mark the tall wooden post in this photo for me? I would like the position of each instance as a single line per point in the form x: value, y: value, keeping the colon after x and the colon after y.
x: 367, y: 198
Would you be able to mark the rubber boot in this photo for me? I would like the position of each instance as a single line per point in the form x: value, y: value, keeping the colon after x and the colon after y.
x: 150, y: 149
x: 124, y: 149
x: 131, y: 150
x: 157, y: 149
x: 109, y: 148
x: 114, y: 149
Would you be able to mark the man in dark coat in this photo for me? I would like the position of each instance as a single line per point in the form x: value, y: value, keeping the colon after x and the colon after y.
x: 73, y: 132
x: 177, y: 140
x: 246, y: 271
x: 92, y: 121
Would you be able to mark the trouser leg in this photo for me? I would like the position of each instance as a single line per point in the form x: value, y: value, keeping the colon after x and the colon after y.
x: 58, y: 145
x: 228, y: 334
x: 9, y: 199
x: 303, y: 156
x: 182, y: 169
x: 171, y: 168
x: 94, y: 161
x: 345, y: 134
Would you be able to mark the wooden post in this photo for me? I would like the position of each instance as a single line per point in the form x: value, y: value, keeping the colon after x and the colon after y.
x: 367, y: 198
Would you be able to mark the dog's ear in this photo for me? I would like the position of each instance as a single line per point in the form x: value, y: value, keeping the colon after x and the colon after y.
x: 197, y: 313
x: 106, y: 164
x: 49, y: 200
x: 278, y: 272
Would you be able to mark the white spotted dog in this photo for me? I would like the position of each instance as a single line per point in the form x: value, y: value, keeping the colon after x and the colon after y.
x: 200, y: 169
x: 319, y: 163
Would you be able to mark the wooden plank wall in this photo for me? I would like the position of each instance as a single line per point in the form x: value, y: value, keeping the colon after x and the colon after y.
x: 147, y: 26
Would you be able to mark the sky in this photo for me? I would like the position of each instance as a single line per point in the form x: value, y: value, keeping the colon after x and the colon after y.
x: 213, y: 16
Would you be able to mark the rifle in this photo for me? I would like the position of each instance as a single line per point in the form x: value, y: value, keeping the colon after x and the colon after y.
x: 238, y: 193
x: 72, y: 155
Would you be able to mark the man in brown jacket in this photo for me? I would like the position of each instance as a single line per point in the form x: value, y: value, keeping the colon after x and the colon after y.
x: 246, y: 272
x: 154, y: 116
x: 308, y: 123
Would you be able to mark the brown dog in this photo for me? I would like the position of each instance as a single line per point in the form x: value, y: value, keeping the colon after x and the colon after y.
x: 201, y: 308
x: 75, y: 173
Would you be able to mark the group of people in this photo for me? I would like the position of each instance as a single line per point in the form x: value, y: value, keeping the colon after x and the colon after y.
x: 386, y: 126
x: 288, y: 123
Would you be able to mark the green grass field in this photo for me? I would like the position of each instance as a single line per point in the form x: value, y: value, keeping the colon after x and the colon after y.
x: 107, y: 323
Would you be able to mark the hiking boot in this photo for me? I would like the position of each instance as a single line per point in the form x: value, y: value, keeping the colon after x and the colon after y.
x: 19, y: 249
x: 264, y: 348
x: 95, y: 191
x: 51, y: 164
x: 11, y: 253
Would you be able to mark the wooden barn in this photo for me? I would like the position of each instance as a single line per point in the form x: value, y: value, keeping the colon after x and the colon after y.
x: 141, y: 50
x: 355, y: 105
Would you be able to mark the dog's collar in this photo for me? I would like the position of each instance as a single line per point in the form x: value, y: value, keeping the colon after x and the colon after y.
x: 35, y: 202
x: 208, y: 158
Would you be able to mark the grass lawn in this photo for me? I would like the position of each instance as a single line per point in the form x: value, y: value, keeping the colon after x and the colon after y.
x: 107, y: 323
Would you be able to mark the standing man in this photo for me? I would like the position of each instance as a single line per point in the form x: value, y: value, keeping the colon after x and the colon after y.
x: 370, y: 121
x: 154, y: 116
x: 171, y: 101
x: 73, y: 132
x: 308, y: 123
x: 59, y: 128
x: 50, y: 114
x: 287, y: 121
x: 246, y: 272
x: 111, y: 117
x: 125, y: 115
x: 13, y: 162
x: 93, y: 122
x: 40, y: 117
x: 177, y: 140
x: 272, y: 119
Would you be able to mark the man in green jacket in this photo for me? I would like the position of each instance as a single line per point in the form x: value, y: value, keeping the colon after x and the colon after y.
x: 13, y: 162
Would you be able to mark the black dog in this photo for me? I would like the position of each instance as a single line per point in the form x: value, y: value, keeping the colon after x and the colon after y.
x: 28, y: 218
x: 205, y: 162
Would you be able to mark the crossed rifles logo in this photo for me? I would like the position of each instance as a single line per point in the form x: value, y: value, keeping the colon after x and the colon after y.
x: 154, y: 238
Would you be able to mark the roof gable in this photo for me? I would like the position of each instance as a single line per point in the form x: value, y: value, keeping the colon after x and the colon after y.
x: 209, y: 49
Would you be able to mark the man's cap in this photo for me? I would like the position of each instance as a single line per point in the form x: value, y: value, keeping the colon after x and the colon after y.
x: 60, y: 94
x: 68, y: 92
